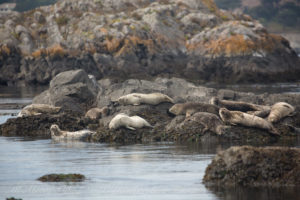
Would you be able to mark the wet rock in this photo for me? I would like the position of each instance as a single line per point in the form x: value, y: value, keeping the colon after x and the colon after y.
x: 71, y: 90
x: 13, y: 198
x: 38, y: 126
x: 62, y: 178
x: 255, y: 166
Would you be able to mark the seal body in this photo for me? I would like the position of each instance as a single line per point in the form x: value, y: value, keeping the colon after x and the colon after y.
x: 97, y: 113
x: 132, y: 123
x: 37, y: 109
x: 240, y: 118
x: 190, y: 108
x: 82, y: 135
x: 139, y: 98
x: 280, y: 110
x: 211, y: 122
x: 238, y: 105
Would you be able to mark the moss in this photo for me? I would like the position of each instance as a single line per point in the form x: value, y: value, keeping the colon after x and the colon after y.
x: 62, y: 178
x: 238, y: 44
x: 62, y: 20
x: 146, y: 28
x: 56, y: 50
x: 210, y: 4
x: 4, y: 50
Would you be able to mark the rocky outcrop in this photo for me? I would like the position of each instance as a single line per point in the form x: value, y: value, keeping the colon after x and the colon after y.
x: 63, y: 92
x: 255, y: 166
x: 142, y: 39
x: 71, y: 90
x: 38, y: 126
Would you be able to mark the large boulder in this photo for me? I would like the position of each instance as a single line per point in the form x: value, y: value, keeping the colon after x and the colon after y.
x: 72, y: 90
x: 190, y: 39
x: 255, y: 166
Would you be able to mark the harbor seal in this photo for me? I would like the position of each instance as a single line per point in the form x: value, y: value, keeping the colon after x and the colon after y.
x: 37, y: 109
x: 211, y: 122
x: 237, y: 105
x: 280, y: 110
x: 139, y: 98
x: 132, y: 123
x: 57, y: 134
x: 97, y: 113
x: 240, y: 118
x: 190, y: 108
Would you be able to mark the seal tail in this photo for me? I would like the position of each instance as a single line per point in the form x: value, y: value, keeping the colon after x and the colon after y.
x: 274, y: 131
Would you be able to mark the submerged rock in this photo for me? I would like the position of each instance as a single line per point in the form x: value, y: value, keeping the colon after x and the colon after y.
x: 62, y: 178
x: 255, y: 166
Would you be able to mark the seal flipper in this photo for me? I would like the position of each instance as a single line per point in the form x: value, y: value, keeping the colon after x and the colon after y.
x: 131, y: 128
x: 292, y: 114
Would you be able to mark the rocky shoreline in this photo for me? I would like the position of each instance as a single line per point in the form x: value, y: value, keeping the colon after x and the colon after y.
x: 189, y: 39
x: 76, y: 92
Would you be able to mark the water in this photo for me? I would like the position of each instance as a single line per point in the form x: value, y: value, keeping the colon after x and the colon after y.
x: 124, y: 172
x: 141, y: 171
x: 260, y: 88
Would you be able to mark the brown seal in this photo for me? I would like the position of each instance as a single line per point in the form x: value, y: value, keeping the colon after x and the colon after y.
x: 190, y: 108
x: 240, y: 118
x: 238, y: 105
x: 97, y: 113
x: 211, y: 122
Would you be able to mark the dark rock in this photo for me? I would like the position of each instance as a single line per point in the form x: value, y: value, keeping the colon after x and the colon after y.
x: 255, y: 166
x: 39, y: 125
x: 62, y: 178
x: 71, y: 90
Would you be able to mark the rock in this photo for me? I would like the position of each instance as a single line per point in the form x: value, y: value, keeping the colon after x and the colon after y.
x: 71, y: 90
x: 39, y: 18
x: 12, y: 198
x: 62, y: 178
x: 73, y: 93
x: 38, y: 126
x: 143, y: 39
x: 255, y: 166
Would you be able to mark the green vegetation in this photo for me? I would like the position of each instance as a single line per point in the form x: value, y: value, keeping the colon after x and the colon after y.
x: 62, y: 20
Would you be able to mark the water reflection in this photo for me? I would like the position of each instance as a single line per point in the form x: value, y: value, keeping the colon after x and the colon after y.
x: 142, y: 171
x: 154, y: 171
x: 246, y: 193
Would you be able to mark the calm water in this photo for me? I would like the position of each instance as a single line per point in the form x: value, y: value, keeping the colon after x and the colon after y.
x: 149, y: 171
